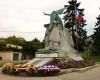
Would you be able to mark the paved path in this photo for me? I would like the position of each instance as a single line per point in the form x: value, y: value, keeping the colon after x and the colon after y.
x: 92, y: 74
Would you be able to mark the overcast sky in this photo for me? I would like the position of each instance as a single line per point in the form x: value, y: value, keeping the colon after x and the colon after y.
x: 25, y: 18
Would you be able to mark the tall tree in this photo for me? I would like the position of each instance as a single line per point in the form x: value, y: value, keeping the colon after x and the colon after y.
x: 74, y: 21
x: 96, y: 37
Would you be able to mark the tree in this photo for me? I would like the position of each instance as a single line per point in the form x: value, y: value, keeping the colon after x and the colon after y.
x: 73, y: 18
x: 96, y: 38
x: 2, y: 42
x: 30, y: 47
x: 15, y: 40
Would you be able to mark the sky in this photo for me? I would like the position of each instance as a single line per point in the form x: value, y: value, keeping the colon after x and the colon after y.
x: 25, y: 18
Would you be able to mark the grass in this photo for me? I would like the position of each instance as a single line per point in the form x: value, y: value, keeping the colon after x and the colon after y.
x: 87, y: 56
x: 95, y: 58
x: 1, y: 63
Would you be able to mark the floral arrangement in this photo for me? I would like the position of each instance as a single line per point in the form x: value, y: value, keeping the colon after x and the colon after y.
x: 46, y: 69
x: 10, y: 68
x: 29, y: 69
x: 51, y: 68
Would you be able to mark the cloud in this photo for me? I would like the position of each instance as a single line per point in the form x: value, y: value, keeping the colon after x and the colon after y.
x: 27, y: 15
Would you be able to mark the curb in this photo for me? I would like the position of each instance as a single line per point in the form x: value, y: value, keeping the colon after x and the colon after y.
x: 67, y: 70
x: 84, y: 69
x: 78, y: 69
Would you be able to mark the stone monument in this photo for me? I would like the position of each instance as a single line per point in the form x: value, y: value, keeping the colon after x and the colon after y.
x: 58, y: 39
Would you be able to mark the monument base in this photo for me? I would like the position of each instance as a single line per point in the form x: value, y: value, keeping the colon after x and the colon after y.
x: 49, y: 55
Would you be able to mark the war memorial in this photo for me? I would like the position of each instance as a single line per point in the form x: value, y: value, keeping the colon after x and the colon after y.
x: 58, y: 54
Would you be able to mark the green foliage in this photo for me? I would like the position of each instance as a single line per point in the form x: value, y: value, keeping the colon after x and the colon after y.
x: 96, y: 38
x: 2, y: 42
x: 1, y: 63
x: 77, y: 27
x: 95, y: 58
x: 87, y: 55
x: 14, y: 40
x: 30, y: 47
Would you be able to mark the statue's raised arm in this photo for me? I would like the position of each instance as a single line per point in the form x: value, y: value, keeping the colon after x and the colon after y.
x: 54, y: 17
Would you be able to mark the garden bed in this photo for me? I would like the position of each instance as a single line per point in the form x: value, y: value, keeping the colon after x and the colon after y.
x: 29, y: 69
x: 54, y: 67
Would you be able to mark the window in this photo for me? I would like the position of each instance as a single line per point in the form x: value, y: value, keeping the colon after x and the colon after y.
x: 15, y: 56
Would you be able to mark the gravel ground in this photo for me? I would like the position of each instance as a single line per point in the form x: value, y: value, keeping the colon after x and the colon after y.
x: 92, y: 74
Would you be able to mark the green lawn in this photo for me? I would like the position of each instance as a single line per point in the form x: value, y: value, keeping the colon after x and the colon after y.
x: 94, y: 58
x: 87, y: 56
